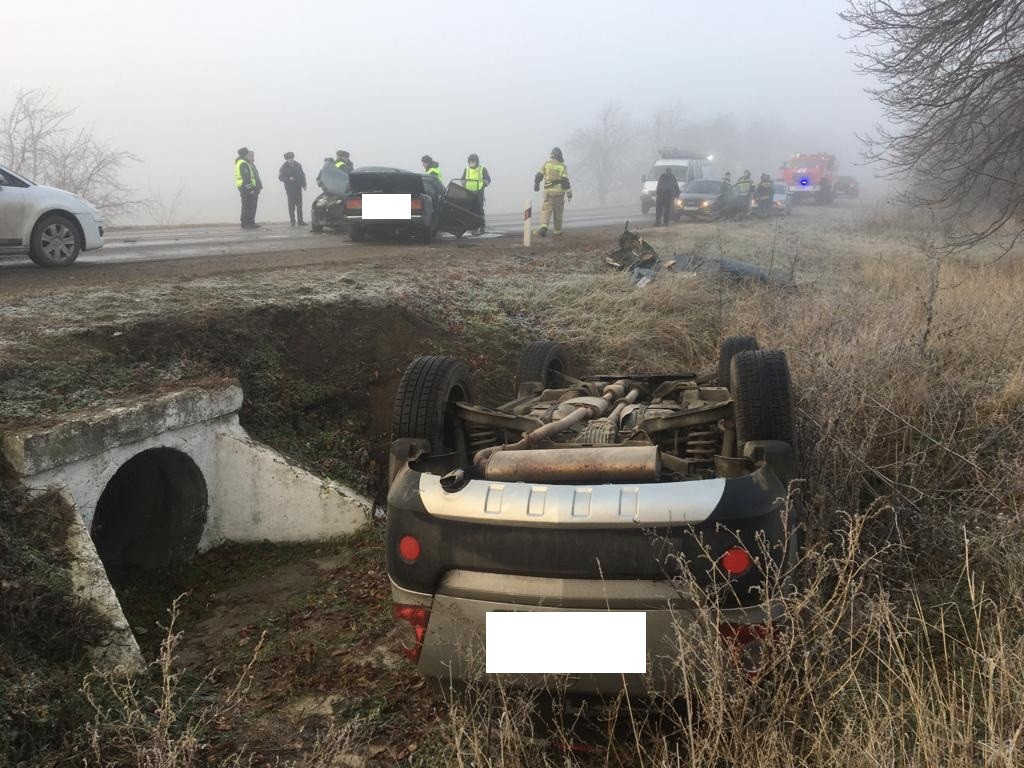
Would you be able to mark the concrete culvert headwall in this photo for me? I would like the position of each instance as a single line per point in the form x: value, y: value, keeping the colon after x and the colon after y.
x: 152, y: 512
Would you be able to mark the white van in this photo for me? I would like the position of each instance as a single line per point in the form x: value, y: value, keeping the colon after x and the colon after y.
x: 686, y: 166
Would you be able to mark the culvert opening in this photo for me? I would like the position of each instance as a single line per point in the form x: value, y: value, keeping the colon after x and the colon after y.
x: 152, y: 512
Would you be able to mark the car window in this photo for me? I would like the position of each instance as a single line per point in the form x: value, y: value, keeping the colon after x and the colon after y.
x: 704, y: 186
x: 679, y: 171
x: 10, y: 180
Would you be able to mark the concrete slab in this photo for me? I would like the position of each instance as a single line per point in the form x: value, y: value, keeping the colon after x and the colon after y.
x: 80, y: 436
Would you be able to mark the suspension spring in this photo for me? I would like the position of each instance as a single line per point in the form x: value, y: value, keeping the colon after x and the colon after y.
x: 703, y: 444
x: 481, y: 437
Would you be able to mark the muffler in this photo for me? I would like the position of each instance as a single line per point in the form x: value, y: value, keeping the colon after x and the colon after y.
x: 576, y: 465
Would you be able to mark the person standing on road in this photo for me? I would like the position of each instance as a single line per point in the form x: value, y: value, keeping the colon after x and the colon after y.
x: 247, y: 180
x: 726, y: 183
x: 555, y: 178
x: 764, y: 193
x: 430, y: 166
x: 475, y: 179
x: 343, y: 161
x: 294, y: 179
x: 668, y: 191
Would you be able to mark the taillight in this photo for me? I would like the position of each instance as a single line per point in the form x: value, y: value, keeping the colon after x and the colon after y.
x: 417, y: 617
x: 736, y: 561
x: 417, y: 204
x: 744, y: 634
x: 354, y: 204
x: 409, y: 549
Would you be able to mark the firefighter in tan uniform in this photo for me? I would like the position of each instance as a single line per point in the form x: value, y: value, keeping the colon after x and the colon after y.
x: 555, y: 178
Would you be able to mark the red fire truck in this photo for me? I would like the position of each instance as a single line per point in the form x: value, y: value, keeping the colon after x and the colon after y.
x: 810, y: 176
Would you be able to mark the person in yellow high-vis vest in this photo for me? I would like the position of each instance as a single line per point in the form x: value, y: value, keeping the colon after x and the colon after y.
x: 555, y: 178
x: 475, y: 179
x: 247, y: 181
x: 430, y: 166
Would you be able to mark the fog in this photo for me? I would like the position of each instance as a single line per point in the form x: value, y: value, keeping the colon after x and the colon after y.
x: 183, y: 85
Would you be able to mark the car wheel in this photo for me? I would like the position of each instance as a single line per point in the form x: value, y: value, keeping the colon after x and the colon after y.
x: 543, y: 362
x: 316, y: 229
x: 356, y: 234
x: 428, y: 389
x: 729, y: 348
x: 763, y: 396
x: 425, y: 236
x: 55, y: 241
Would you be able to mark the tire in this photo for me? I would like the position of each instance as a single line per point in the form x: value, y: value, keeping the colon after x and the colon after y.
x: 543, y: 362
x: 55, y: 242
x: 425, y: 236
x: 730, y: 347
x: 356, y: 234
x: 316, y: 229
x: 763, y: 396
x: 428, y: 386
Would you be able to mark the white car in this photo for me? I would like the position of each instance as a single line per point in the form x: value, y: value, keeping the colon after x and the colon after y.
x: 50, y: 225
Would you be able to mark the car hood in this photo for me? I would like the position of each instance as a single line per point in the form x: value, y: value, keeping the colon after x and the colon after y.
x: 699, y: 196
x: 334, y: 181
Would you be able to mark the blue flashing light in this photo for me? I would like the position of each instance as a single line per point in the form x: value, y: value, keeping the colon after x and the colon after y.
x: 804, y: 182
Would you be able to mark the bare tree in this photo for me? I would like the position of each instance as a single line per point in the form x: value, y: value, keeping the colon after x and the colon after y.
x: 603, y: 150
x: 951, y: 76
x: 37, y: 142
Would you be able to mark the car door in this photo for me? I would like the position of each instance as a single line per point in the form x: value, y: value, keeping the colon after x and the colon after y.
x: 455, y: 214
x: 15, y: 210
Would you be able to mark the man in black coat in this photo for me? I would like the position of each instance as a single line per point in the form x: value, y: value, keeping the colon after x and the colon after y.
x: 668, y: 191
x: 294, y: 179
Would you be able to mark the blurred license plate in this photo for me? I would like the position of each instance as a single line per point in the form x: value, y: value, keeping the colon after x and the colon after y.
x: 378, y: 206
x: 556, y: 642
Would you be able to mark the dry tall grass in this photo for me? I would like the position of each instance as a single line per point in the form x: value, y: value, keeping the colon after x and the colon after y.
x: 904, y: 644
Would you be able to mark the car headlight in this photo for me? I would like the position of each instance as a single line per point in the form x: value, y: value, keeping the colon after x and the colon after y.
x: 679, y: 203
x: 706, y: 204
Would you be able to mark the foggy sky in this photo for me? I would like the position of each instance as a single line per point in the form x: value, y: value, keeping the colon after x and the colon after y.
x: 183, y: 85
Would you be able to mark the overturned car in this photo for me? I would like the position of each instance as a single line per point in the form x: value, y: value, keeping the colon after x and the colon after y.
x: 605, y: 492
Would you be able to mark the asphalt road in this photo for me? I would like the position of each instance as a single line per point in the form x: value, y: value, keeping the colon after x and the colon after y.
x: 183, y: 242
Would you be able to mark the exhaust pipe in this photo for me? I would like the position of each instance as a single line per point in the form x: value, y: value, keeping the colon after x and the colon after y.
x: 576, y: 465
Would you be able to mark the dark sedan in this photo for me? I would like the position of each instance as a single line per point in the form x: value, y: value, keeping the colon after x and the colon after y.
x: 390, y: 202
x: 702, y: 199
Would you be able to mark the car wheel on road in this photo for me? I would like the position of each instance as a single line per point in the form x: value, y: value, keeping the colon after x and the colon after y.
x: 55, y: 242
x: 730, y: 347
x: 356, y: 234
x: 429, y: 386
x: 425, y: 236
x: 763, y: 396
x: 543, y: 362
x: 317, y: 228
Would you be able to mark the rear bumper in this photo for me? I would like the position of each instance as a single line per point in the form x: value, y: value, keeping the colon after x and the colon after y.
x: 454, y: 647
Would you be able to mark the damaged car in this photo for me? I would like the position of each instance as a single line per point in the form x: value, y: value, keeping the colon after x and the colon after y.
x: 328, y: 209
x: 604, y: 492
x: 395, y: 203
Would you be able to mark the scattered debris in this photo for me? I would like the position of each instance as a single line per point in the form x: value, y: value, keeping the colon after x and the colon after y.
x: 640, y: 260
x: 636, y: 257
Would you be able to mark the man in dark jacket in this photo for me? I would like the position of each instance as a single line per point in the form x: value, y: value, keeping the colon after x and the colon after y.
x: 247, y: 180
x: 668, y: 191
x: 294, y: 179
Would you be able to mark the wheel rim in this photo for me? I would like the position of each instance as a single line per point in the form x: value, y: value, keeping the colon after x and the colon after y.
x: 58, y: 242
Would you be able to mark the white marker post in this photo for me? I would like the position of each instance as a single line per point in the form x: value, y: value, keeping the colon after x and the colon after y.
x: 527, y: 227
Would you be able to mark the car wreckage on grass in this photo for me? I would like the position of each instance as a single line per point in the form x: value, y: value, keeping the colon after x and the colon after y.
x: 622, y: 492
